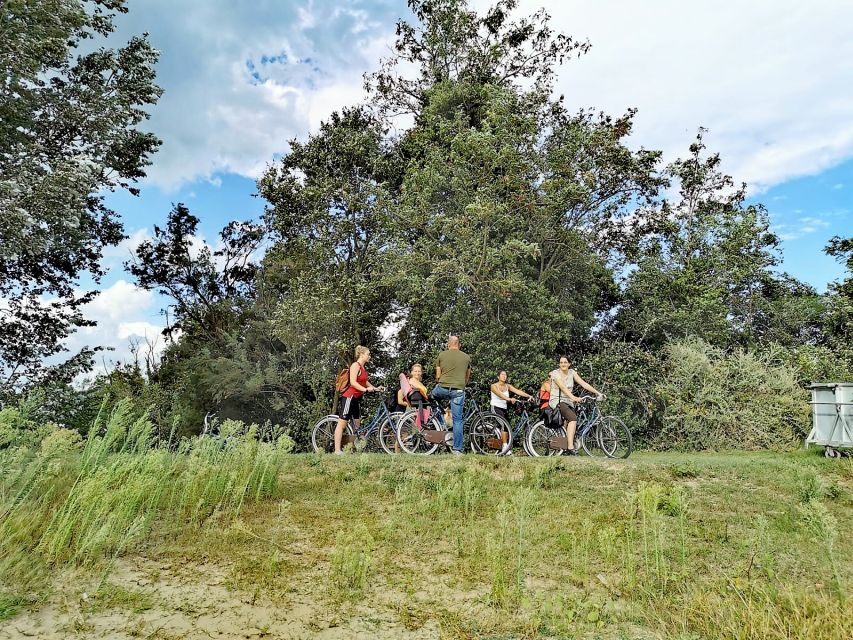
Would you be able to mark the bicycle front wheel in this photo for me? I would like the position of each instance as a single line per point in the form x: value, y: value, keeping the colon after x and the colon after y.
x: 614, y: 437
x: 588, y: 441
x: 323, y: 434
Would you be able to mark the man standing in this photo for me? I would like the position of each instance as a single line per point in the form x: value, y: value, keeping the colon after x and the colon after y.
x: 452, y: 373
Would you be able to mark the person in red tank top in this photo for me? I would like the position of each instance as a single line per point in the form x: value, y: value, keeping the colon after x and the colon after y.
x: 349, y: 405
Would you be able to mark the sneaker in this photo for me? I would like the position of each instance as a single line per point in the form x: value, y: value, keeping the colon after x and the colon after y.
x: 572, y: 452
x: 505, y: 450
x: 456, y: 452
x: 338, y: 453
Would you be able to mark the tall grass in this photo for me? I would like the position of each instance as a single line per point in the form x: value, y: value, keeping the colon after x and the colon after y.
x: 62, y: 505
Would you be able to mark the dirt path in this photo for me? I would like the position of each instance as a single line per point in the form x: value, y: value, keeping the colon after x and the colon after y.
x: 158, y: 601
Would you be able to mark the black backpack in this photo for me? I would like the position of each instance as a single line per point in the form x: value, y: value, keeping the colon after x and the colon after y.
x: 552, y: 417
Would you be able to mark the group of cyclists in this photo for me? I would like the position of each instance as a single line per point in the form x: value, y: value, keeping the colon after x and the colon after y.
x: 453, y: 374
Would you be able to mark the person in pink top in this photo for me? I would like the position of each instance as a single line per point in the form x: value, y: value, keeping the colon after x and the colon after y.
x: 349, y: 405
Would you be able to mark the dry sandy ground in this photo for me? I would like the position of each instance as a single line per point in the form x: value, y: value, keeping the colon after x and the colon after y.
x: 193, y: 602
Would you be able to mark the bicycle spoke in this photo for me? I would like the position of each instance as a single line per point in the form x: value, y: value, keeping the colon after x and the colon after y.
x: 538, y: 440
x: 387, y: 436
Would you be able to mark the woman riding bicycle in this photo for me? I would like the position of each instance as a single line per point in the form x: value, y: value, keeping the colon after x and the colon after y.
x: 562, y: 383
x: 349, y: 405
x: 502, y: 393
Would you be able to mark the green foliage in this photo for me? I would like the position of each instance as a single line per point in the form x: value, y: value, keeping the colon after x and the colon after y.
x: 499, y: 216
x: 628, y: 373
x: 719, y: 400
x: 708, y: 273
x: 69, y: 117
x: 351, y: 564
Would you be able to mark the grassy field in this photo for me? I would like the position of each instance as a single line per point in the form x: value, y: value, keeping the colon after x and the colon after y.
x: 685, y: 546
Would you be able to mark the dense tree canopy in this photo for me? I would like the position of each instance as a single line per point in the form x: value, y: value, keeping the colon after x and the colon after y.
x: 68, y: 134
x: 463, y: 197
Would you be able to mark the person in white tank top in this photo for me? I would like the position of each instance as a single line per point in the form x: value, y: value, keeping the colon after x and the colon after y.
x: 502, y: 393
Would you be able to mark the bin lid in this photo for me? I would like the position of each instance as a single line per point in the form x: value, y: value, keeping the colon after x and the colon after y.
x: 823, y: 385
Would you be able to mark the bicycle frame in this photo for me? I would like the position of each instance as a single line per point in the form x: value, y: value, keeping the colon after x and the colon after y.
x: 587, y: 418
x: 471, y: 416
x: 363, y: 431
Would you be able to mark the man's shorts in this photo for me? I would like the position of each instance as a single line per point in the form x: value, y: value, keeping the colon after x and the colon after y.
x: 349, y: 408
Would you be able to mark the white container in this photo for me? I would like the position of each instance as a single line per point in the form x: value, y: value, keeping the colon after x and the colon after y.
x: 832, y: 411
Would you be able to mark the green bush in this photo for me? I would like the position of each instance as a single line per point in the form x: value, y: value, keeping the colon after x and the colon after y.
x: 822, y: 364
x: 627, y: 373
x: 720, y: 400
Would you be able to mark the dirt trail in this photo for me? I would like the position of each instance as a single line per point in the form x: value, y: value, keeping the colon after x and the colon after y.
x: 192, y: 602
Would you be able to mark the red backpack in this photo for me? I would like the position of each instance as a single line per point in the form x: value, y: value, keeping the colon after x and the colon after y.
x: 544, y: 394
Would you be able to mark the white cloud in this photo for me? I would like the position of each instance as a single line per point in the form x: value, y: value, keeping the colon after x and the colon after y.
x: 814, y: 222
x: 803, y: 226
x: 838, y: 186
x: 124, y: 313
x: 760, y: 75
x: 138, y: 329
x: 772, y: 80
x: 115, y: 256
x: 215, y: 116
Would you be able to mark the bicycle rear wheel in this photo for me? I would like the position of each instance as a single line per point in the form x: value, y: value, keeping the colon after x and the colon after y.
x: 489, y: 427
x: 323, y: 434
x: 614, y: 437
x: 410, y: 436
x: 538, y: 440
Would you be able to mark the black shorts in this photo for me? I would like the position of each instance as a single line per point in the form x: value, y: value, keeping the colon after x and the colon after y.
x: 501, y: 411
x: 569, y: 414
x: 349, y: 408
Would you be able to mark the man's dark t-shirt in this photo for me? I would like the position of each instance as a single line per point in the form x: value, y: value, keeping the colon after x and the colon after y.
x: 454, y: 364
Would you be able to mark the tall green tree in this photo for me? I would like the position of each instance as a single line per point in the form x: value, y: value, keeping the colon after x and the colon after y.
x: 331, y: 205
x: 709, y: 272
x: 68, y: 134
x: 507, y: 201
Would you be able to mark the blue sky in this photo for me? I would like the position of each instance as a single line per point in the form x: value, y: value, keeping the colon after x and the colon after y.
x: 773, y: 82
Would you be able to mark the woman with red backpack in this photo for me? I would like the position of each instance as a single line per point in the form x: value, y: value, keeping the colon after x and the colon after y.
x: 349, y: 405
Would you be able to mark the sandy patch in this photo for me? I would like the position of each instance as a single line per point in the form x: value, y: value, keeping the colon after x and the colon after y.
x: 167, y: 602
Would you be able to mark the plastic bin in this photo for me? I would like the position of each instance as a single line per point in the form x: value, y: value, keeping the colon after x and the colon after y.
x: 832, y: 413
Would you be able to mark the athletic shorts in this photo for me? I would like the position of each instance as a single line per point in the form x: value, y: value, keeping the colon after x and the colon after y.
x: 501, y: 411
x: 568, y: 413
x: 349, y: 408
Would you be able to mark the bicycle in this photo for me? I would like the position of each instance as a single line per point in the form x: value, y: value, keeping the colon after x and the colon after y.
x: 519, y: 431
x: 606, y: 433
x: 323, y: 432
x: 482, y: 427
